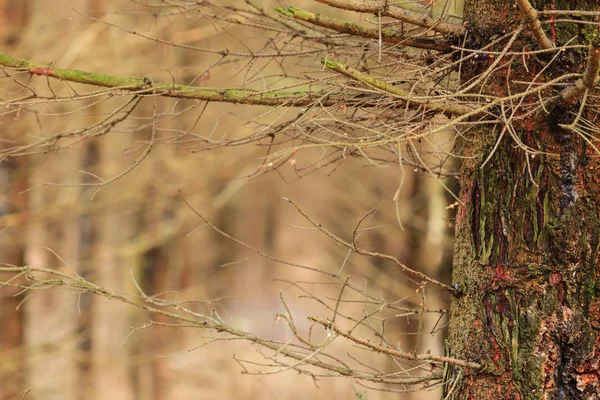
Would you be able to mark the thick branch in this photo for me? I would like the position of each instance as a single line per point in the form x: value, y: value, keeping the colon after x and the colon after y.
x: 387, y: 35
x: 534, y: 23
x: 590, y: 76
x: 445, y: 107
x: 143, y: 85
x: 385, y: 9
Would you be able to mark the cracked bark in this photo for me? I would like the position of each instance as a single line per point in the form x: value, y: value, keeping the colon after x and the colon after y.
x: 526, y: 251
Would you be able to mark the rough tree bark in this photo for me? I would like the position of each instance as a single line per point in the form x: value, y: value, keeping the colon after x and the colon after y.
x: 526, y: 250
x: 525, y: 309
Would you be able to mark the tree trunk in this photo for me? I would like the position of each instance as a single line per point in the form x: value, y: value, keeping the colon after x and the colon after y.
x: 50, y: 317
x: 111, y: 364
x: 12, y: 181
x: 526, y: 251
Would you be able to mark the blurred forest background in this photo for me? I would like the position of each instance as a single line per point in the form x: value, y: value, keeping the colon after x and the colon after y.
x: 136, y: 230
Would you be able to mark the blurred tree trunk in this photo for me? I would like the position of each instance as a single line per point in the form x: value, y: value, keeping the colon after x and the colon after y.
x: 432, y: 241
x: 14, y: 16
x: 158, y: 275
x: 51, y: 315
x: 526, y: 251
x: 156, y: 340
x: 111, y: 374
x: 35, y: 255
x: 87, y: 241
x: 46, y: 327
x: 13, y: 181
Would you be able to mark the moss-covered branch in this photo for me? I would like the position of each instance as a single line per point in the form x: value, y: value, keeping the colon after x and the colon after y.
x: 341, y: 26
x: 386, y: 9
x: 241, y: 96
x: 445, y: 107
x: 270, y: 13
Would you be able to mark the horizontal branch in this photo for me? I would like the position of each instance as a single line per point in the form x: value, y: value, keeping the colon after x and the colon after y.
x: 395, y: 353
x: 444, y: 107
x: 384, y: 9
x: 189, y: 319
x: 386, y: 35
x: 147, y: 86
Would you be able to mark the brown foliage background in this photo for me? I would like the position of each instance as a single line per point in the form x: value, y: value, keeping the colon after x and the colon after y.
x: 64, y: 344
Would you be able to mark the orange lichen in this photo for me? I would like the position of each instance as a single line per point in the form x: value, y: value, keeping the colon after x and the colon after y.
x: 41, y: 71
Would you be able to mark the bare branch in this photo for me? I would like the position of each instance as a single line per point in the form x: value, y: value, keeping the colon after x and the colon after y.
x: 443, y: 106
x: 45, y: 278
x: 269, y: 13
x: 534, y: 23
x: 389, y: 10
x: 589, y: 79
x: 351, y: 28
x: 395, y: 353
x: 146, y: 86
x: 360, y: 251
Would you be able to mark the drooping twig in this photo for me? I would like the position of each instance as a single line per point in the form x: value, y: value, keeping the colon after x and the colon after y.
x: 241, y: 243
x: 360, y: 251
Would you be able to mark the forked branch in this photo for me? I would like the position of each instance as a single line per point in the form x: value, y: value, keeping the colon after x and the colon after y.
x: 352, y: 246
x: 45, y: 279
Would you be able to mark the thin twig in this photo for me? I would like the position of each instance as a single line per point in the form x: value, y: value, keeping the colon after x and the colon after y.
x: 395, y: 353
